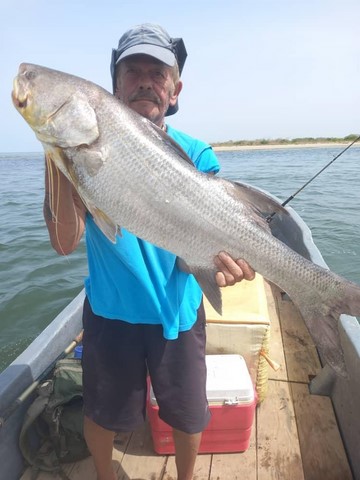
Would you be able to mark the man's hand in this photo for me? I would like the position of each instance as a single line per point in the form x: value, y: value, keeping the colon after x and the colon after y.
x: 232, y: 271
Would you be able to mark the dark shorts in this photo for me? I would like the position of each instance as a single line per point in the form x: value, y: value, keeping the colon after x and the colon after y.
x: 116, y: 359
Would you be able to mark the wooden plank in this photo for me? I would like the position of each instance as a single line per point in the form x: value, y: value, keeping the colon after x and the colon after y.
x: 320, y: 442
x: 68, y: 469
x: 84, y: 469
x: 301, y: 356
x: 140, y: 460
x: 201, y: 471
x: 276, y: 349
x: 279, y: 455
x: 27, y: 475
x: 236, y: 466
x: 121, y: 442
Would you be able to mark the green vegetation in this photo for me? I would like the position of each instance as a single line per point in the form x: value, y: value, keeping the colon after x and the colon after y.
x: 286, y: 141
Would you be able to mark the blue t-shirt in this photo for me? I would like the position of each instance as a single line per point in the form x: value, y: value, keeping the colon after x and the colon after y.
x: 137, y: 282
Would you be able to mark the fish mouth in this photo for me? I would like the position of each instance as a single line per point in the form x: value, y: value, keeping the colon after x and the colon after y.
x: 20, y: 104
x: 19, y: 99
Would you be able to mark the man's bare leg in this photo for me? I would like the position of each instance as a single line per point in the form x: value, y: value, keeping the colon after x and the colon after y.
x: 100, y: 443
x: 186, y: 450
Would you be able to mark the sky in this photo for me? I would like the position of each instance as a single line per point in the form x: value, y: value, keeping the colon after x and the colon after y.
x: 255, y: 68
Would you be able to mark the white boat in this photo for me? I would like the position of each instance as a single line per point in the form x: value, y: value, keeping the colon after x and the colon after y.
x: 296, y: 434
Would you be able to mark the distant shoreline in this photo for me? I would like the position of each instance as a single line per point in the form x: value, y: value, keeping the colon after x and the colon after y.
x: 230, y: 148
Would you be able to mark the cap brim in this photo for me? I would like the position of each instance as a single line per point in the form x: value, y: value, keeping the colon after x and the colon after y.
x: 160, y: 53
x: 172, y: 109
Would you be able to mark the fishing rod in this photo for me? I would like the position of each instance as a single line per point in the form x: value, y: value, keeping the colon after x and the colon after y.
x: 271, y: 216
x: 29, y: 390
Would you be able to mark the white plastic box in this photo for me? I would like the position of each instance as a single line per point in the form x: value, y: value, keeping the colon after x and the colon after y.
x: 243, y: 328
x: 232, y: 402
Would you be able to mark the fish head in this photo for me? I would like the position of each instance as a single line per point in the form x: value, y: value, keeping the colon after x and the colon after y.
x: 28, y: 95
x: 55, y: 105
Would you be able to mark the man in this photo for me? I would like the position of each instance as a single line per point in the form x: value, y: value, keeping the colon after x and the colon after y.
x: 142, y: 312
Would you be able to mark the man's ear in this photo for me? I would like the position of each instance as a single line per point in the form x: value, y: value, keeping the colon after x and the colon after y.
x: 176, y: 93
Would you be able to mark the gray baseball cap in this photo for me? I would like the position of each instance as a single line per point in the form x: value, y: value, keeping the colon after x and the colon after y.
x: 153, y: 40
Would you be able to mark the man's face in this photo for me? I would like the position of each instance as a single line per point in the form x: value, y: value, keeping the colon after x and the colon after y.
x: 147, y: 86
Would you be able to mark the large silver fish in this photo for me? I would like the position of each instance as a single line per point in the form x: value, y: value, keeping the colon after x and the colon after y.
x: 130, y: 174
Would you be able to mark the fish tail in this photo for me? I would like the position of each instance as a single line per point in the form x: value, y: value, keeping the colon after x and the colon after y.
x: 322, y: 319
x: 346, y: 302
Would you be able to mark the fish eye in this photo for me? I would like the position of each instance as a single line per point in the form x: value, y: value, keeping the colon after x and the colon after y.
x: 29, y: 74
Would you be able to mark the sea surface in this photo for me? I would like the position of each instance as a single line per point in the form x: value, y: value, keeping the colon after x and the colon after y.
x: 36, y: 283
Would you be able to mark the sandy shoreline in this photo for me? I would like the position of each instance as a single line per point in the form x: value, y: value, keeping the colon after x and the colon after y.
x: 230, y: 148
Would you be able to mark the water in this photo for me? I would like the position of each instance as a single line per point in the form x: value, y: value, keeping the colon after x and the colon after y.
x: 36, y: 283
x: 329, y: 205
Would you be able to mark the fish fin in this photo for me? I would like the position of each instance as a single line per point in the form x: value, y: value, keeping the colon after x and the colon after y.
x: 260, y: 203
x: 103, y: 221
x: 322, y: 313
x: 59, y: 158
x: 54, y: 196
x: 206, y: 279
x: 53, y: 199
x: 332, y: 353
x: 182, y: 265
x: 324, y: 329
x: 169, y: 141
x: 90, y: 160
x: 63, y: 127
x: 207, y: 282
x: 259, y: 200
x: 105, y: 224
x: 282, y: 225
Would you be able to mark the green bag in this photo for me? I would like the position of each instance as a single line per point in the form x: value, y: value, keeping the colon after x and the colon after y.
x: 57, y: 416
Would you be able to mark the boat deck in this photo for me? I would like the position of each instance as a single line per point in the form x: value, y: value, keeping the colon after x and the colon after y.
x: 295, y: 434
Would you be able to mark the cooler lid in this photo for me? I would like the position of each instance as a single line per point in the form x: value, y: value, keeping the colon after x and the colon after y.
x: 228, y: 379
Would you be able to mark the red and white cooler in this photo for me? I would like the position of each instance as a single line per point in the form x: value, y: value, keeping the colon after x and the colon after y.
x: 232, y: 402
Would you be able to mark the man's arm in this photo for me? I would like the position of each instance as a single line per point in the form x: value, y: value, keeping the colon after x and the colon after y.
x: 65, y: 219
